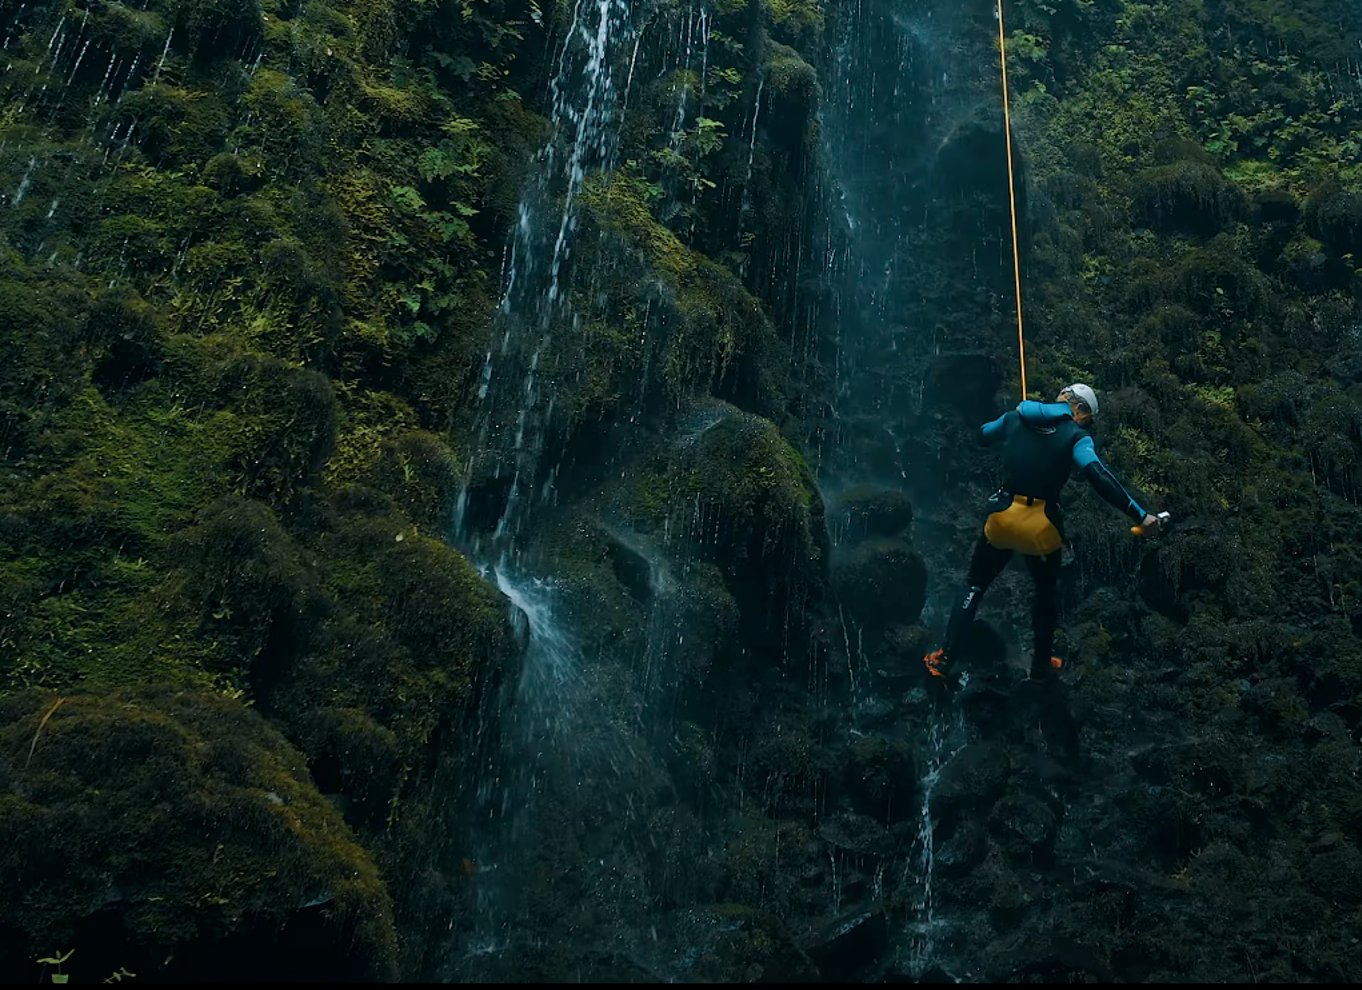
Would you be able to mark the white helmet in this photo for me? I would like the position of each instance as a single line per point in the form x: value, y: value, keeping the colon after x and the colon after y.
x: 1085, y: 393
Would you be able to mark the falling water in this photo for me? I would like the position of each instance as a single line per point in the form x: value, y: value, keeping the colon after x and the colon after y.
x: 557, y: 743
x: 512, y: 414
x: 24, y: 183
x: 924, y: 924
x: 162, y: 61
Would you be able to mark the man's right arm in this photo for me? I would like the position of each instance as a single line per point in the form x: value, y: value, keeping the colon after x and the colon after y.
x: 991, y: 433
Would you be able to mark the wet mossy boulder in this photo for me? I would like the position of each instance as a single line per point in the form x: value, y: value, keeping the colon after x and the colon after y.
x: 1275, y: 205
x: 792, y: 94
x: 881, y: 582
x: 1306, y: 263
x: 1189, y: 196
x: 249, y: 582
x: 123, y: 333
x: 417, y: 470
x: 1215, y: 280
x: 879, y: 778
x: 179, y: 836
x: 751, y: 496
x: 685, y: 325
x: 176, y: 126
x: 353, y: 757
x: 1024, y: 828
x: 293, y: 414
x: 863, y: 511
x: 973, y: 780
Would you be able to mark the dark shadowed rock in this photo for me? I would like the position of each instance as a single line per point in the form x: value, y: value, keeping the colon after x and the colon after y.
x: 851, y: 944
x: 971, y: 782
x: 1024, y: 827
x: 879, y: 777
x: 965, y: 383
x: 730, y: 943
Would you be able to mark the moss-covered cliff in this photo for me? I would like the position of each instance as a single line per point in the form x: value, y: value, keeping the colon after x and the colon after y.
x: 245, y: 266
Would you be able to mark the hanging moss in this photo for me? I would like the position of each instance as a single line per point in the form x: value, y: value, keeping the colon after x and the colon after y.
x: 217, y: 28
x: 1333, y: 213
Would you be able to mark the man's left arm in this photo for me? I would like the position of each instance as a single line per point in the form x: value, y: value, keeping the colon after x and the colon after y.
x: 1105, y: 481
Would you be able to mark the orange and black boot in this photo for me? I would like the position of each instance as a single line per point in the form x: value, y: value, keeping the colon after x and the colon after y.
x: 940, y: 669
x: 1046, y: 671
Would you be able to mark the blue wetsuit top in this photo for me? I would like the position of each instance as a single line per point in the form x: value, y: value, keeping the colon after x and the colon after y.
x: 1042, y: 444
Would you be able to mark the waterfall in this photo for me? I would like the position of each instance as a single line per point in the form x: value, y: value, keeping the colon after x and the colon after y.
x: 556, y: 739
x: 514, y: 405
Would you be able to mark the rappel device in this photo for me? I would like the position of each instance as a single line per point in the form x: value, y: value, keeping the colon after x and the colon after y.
x: 1164, y: 519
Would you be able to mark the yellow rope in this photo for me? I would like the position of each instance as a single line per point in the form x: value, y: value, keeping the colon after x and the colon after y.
x: 1012, y: 196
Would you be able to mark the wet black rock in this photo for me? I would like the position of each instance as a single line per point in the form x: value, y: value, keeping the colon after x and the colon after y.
x: 1024, y: 828
x: 879, y: 778
x: 962, y: 849
x: 729, y: 943
x: 966, y: 384
x: 971, y: 781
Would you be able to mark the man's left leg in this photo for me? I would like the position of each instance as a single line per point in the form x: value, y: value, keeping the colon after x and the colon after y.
x: 1044, y: 613
x: 985, y: 565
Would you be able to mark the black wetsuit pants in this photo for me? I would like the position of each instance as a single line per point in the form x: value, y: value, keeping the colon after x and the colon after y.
x: 988, y: 562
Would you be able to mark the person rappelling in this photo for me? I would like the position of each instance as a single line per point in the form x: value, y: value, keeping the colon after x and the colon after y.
x: 1042, y: 442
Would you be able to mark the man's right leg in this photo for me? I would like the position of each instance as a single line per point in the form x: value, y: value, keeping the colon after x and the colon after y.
x: 1044, y: 613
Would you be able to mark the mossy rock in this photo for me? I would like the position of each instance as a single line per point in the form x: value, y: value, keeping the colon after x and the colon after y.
x: 758, y: 507
x: 292, y: 413
x: 707, y: 333
x: 1306, y: 263
x: 1333, y: 213
x: 247, y: 579
x: 124, y: 332
x: 177, y: 834
x: 798, y: 22
x: 175, y: 126
x: 870, y: 510
x: 1275, y: 205
x: 792, y: 94
x: 1187, y: 196
x: 417, y: 469
x: 1214, y: 279
x: 1172, y: 150
x: 879, y: 778
x: 217, y: 28
x: 353, y: 756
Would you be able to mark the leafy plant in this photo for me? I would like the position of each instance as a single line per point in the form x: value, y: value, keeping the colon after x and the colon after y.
x: 57, y: 959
